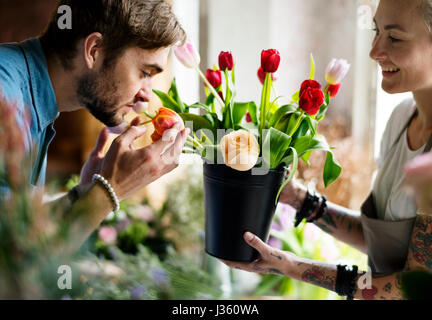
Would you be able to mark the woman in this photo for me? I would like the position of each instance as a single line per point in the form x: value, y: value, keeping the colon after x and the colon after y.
x: 395, y: 236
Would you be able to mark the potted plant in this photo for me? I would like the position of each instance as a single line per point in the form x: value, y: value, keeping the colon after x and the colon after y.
x: 247, y: 147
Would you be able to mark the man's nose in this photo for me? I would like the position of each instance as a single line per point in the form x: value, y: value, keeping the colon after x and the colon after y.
x: 145, y: 93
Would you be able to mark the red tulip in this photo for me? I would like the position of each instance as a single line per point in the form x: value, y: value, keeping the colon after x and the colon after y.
x: 226, y: 61
x: 214, y: 77
x: 262, y: 75
x: 311, y: 100
x: 165, y: 119
x: 333, y: 89
x: 248, y: 117
x: 270, y: 60
x: 309, y: 84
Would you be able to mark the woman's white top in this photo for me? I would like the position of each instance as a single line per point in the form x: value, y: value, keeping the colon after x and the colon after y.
x: 392, y: 202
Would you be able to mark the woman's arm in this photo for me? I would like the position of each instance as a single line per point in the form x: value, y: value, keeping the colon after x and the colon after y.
x: 324, y: 275
x: 342, y: 223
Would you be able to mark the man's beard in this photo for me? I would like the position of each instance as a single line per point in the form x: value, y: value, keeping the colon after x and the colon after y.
x: 97, y: 93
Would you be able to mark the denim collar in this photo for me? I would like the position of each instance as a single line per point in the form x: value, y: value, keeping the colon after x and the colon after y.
x: 44, y: 99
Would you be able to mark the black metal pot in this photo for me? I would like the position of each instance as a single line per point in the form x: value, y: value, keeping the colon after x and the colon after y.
x: 236, y: 202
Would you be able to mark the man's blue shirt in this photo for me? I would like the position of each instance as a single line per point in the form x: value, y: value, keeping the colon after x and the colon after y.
x: 25, y: 83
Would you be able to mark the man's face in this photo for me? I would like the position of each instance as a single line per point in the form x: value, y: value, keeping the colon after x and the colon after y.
x: 111, y: 91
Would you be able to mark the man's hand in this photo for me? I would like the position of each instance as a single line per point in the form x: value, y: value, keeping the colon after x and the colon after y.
x: 271, y: 261
x: 129, y: 170
x: 293, y: 194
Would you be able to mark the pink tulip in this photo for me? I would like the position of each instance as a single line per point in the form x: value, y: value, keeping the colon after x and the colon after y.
x: 188, y: 55
x: 118, y: 129
x: 336, y: 71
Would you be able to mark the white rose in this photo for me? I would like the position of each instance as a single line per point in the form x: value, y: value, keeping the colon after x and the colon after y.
x: 240, y: 150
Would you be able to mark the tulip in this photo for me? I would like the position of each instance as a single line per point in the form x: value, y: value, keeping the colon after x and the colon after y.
x: 226, y: 61
x: 336, y: 71
x: 248, y: 117
x: 188, y: 55
x: 333, y: 89
x: 165, y: 119
x: 140, y: 107
x: 311, y: 100
x: 270, y: 60
x: 118, y: 129
x: 309, y: 84
x: 262, y: 75
x: 214, y: 77
x: 240, y: 150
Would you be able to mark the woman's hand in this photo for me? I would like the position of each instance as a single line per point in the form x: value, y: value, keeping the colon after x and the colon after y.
x: 271, y: 261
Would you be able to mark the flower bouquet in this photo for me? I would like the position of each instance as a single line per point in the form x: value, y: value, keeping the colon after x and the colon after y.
x: 247, y: 148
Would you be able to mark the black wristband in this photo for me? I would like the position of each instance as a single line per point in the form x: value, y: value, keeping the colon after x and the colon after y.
x: 346, y: 281
x: 310, y: 204
x: 321, y: 209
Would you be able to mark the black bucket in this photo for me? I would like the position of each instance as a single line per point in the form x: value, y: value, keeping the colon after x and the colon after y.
x: 236, y: 202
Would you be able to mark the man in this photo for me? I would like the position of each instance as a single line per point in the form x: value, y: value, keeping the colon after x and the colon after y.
x: 105, y: 64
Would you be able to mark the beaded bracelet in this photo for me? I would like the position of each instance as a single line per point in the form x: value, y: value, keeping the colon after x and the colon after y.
x: 106, y: 184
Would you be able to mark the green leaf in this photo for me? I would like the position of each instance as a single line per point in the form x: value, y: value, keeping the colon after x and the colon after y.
x: 312, y: 125
x: 305, y: 157
x: 276, y: 143
x: 280, y: 113
x: 292, y: 172
x: 199, y: 122
x: 210, y: 99
x: 312, y: 71
x: 175, y: 95
x: 167, y: 101
x: 253, y: 110
x: 239, y: 111
x: 332, y: 169
x: 199, y: 105
x: 296, y: 97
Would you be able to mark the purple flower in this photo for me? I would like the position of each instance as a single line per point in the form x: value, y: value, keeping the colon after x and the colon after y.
x: 123, y: 224
x: 159, y: 275
x: 138, y: 292
x: 275, y: 243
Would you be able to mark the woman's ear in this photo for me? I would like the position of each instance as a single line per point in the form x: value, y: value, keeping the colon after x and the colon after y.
x: 92, y: 49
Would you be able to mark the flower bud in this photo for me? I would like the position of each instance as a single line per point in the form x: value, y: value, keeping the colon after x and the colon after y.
x: 311, y: 100
x: 333, y: 89
x: 188, y: 55
x: 214, y: 77
x: 270, y: 60
x: 118, y: 129
x: 165, y: 119
x: 336, y: 71
x: 226, y: 61
x: 240, y: 150
x: 141, y: 107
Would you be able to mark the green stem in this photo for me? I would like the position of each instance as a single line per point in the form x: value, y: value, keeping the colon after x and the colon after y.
x: 212, y: 90
x: 264, y: 104
x: 195, y: 143
x: 149, y: 115
x: 144, y: 123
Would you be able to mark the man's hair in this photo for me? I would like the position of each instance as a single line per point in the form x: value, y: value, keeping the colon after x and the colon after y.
x: 148, y: 24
